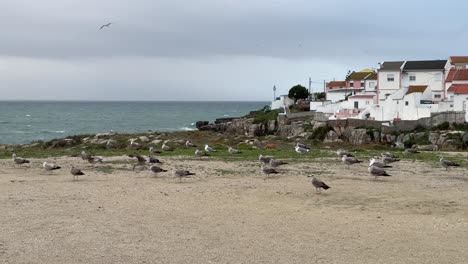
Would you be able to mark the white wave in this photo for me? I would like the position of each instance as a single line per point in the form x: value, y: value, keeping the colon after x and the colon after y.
x: 192, y: 124
x: 28, y: 115
x: 187, y: 129
x: 225, y: 115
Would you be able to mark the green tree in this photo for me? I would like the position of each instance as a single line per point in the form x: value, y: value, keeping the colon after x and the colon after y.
x: 298, y: 92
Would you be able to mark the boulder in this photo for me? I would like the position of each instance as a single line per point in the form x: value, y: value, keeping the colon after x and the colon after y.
x: 156, y: 141
x: 332, y: 136
x: 143, y: 139
x: 200, y: 124
x: 111, y: 144
x: 359, y: 137
x: 317, y: 125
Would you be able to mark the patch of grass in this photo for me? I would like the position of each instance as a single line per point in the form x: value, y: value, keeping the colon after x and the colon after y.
x: 263, y: 116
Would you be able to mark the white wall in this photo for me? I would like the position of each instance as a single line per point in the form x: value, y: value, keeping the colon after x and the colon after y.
x: 386, y: 87
x: 336, y: 96
x: 433, y: 79
x: 283, y: 102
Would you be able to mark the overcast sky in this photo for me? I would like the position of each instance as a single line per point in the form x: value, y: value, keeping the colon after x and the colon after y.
x: 211, y: 49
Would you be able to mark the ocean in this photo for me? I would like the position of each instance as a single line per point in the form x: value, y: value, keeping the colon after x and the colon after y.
x: 22, y: 122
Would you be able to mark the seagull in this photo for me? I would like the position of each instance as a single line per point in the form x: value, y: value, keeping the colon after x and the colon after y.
x: 233, y: 151
x: 183, y: 174
x: 410, y: 151
x: 209, y: 149
x: 154, y: 151
x: 276, y: 163
x: 189, y: 144
x: 377, y: 172
x: 318, y: 184
x: 267, y: 171
x: 166, y: 147
x: 340, y: 153
x: 350, y: 160
x: 264, y: 159
x: 152, y: 160
x: 388, y: 154
x: 387, y: 160
x: 105, y: 25
x: 447, y: 164
x: 76, y: 172
x: 156, y: 169
x: 50, y: 167
x: 200, y: 153
x: 19, y: 160
x: 94, y: 160
x: 378, y: 163
x: 84, y: 155
x: 302, y: 145
x: 301, y: 150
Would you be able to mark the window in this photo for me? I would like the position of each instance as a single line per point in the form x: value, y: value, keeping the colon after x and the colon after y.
x: 390, y: 77
x: 372, y: 85
x: 362, y: 84
x: 437, y: 96
x: 367, y: 102
x: 412, y: 78
x: 406, y: 102
x: 451, y: 105
x: 351, y: 84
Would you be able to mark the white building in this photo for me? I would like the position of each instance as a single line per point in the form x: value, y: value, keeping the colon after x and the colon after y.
x: 430, y: 73
x: 389, y: 79
x: 282, y: 102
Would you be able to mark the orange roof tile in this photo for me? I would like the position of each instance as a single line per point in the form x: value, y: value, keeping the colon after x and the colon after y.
x: 457, y: 75
x: 459, y: 59
x: 416, y: 89
x: 458, y: 88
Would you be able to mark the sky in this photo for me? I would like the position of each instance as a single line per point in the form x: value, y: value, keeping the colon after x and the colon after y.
x: 211, y: 50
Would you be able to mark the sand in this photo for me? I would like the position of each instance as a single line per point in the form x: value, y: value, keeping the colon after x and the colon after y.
x: 228, y: 213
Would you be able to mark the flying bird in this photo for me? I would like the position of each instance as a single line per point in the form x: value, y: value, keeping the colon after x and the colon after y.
x: 105, y: 25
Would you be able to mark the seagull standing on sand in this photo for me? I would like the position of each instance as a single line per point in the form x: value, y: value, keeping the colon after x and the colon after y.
x: 156, y: 169
x: 378, y: 163
x: 275, y: 163
x: 183, y: 174
x: 264, y: 159
x: 209, y: 149
x: 377, y: 172
x: 76, y: 172
x: 350, y: 160
x: 389, y: 159
x: 152, y: 160
x: 105, y: 25
x: 94, y: 160
x: 50, y: 167
x: 233, y: 151
x: 318, y: 184
x: 84, y: 155
x: 19, y: 160
x: 267, y: 171
x: 447, y: 164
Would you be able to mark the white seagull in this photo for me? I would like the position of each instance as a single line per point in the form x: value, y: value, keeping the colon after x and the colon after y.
x: 209, y: 149
x: 301, y: 150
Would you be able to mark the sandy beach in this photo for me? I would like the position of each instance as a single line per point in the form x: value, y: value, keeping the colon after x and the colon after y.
x: 228, y: 213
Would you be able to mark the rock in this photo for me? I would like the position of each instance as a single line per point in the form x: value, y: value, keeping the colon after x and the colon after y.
x: 359, y: 137
x: 111, y: 144
x: 143, y: 139
x: 156, y: 142
x: 433, y: 137
x: 200, y: 124
x: 103, y: 135
x: 332, y: 136
x: 419, y: 135
x: 399, y: 145
x: 465, y: 139
x: 319, y: 125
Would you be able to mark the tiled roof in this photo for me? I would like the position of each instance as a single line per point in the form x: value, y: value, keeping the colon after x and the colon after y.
x: 416, y: 89
x: 391, y: 65
x: 425, y: 65
x: 458, y: 88
x: 336, y: 84
x: 459, y: 59
x: 358, y: 76
x: 362, y: 96
x: 457, y: 75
